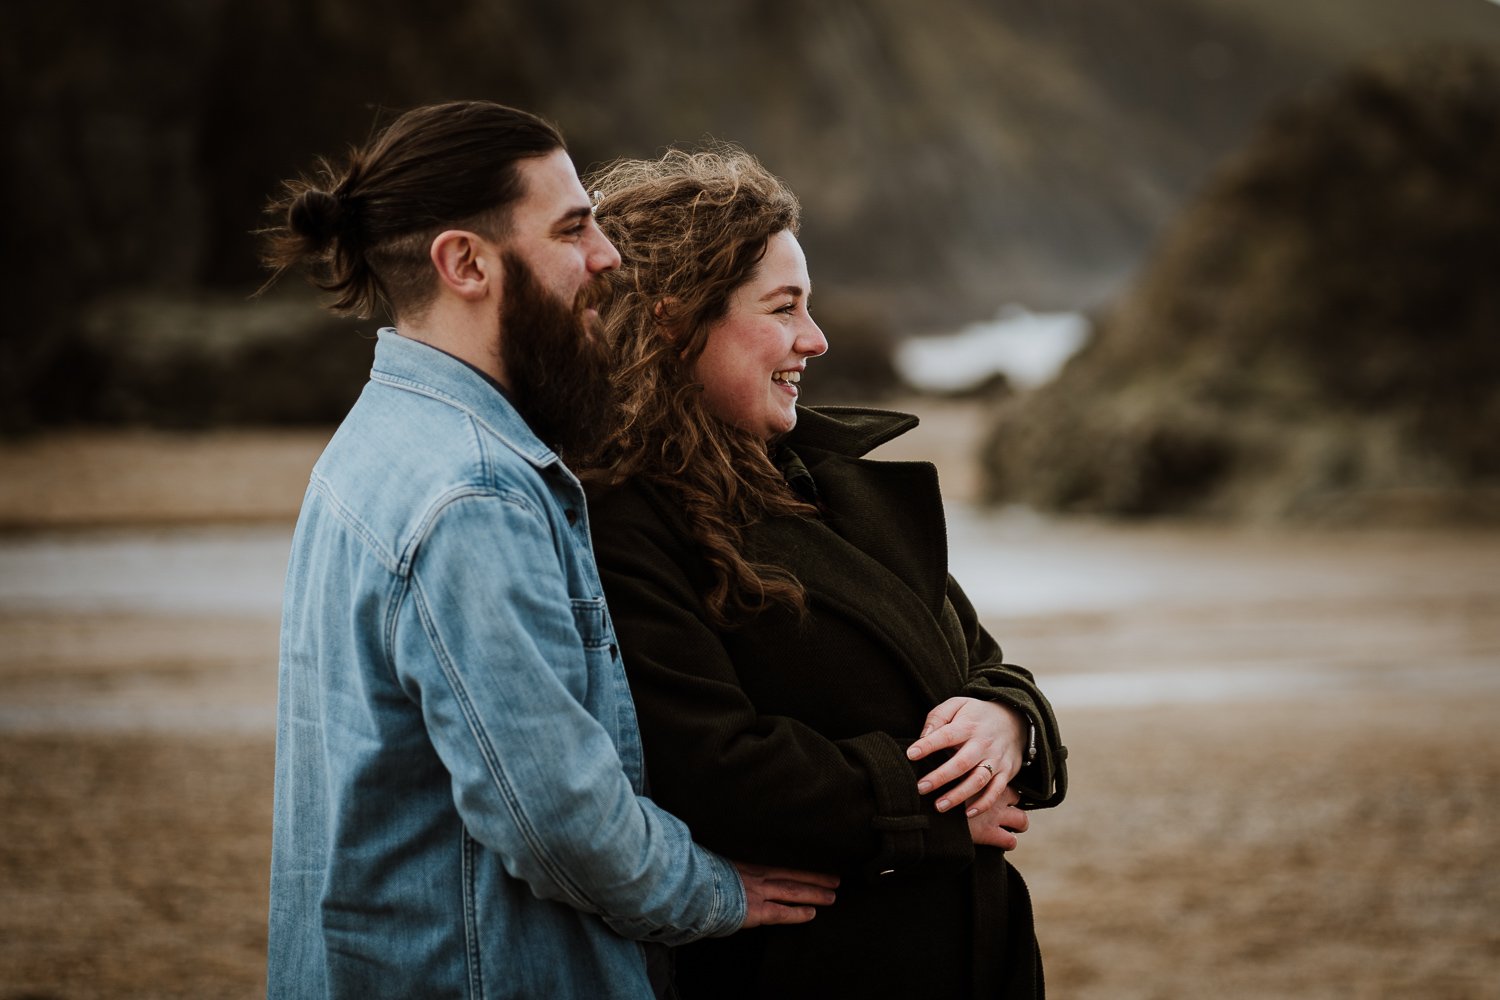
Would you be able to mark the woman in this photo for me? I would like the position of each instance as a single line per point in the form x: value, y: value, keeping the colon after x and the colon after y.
x: 814, y: 690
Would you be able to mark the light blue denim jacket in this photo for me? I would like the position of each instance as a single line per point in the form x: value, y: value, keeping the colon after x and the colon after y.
x: 458, y: 768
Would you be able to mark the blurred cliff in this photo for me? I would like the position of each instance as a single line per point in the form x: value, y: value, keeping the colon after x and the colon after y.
x: 952, y: 155
x: 1318, y: 336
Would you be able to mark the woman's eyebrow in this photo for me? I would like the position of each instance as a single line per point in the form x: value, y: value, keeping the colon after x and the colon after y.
x: 793, y: 290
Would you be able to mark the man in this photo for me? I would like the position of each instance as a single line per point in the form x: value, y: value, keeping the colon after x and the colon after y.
x: 458, y: 771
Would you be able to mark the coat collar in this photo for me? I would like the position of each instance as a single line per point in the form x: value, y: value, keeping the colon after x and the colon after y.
x: 880, y: 553
x: 892, y: 510
x: 847, y: 430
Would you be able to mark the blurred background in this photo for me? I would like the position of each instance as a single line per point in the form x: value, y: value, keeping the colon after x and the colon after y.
x: 1195, y: 299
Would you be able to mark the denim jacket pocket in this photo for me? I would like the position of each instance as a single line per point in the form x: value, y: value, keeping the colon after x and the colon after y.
x: 592, y: 621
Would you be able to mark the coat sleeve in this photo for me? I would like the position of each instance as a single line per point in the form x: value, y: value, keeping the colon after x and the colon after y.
x: 1042, y: 782
x: 762, y: 788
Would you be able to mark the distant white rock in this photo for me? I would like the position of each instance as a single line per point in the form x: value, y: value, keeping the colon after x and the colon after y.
x: 1027, y: 348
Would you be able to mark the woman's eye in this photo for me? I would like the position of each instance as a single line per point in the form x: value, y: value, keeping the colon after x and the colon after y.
x: 790, y: 307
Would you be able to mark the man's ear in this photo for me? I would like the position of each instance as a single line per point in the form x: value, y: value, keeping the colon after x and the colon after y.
x: 466, y: 263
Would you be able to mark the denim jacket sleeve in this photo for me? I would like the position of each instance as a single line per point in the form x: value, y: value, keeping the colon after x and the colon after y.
x: 489, y: 646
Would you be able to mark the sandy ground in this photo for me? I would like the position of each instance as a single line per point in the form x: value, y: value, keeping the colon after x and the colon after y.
x: 1330, y: 830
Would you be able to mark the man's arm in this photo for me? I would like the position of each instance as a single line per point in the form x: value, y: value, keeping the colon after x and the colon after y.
x: 490, y: 648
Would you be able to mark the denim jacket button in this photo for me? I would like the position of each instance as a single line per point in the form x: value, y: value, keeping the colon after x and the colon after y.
x: 572, y: 515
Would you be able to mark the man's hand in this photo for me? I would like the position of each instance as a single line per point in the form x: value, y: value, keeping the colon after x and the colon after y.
x: 999, y: 825
x: 769, y: 893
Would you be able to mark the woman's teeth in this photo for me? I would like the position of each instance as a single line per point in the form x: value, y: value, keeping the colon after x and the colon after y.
x: 793, y: 377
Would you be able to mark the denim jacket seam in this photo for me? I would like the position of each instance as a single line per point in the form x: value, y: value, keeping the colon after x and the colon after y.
x: 446, y: 499
x: 402, y: 579
x: 720, y: 908
x: 471, y: 916
x: 396, y: 598
x: 388, y: 560
x: 481, y: 453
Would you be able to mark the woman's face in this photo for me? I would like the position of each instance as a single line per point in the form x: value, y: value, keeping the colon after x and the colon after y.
x: 753, y: 361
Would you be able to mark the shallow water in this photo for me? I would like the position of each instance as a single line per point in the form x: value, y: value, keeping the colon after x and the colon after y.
x: 1013, y: 563
x: 178, y: 570
x: 1110, y: 617
x: 1010, y: 563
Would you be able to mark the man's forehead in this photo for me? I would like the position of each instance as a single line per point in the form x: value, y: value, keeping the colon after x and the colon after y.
x: 551, y: 187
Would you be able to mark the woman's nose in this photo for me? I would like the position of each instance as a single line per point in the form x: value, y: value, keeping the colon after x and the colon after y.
x: 811, y: 340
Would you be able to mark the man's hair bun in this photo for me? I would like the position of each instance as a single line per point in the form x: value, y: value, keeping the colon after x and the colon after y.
x: 316, y: 216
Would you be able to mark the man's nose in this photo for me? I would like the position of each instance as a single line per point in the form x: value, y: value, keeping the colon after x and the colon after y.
x: 602, y: 255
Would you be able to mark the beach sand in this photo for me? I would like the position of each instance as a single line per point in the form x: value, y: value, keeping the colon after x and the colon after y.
x: 1335, y: 836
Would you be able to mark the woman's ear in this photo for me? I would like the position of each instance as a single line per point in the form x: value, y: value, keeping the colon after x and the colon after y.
x: 666, y: 312
x: 464, y: 263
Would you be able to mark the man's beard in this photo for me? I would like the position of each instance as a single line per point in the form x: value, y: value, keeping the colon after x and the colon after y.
x: 556, y: 367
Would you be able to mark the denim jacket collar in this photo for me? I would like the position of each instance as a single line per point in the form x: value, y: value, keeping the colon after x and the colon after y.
x: 417, y: 367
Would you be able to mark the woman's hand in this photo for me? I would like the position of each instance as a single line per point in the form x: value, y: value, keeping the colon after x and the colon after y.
x: 988, y: 736
x: 999, y: 826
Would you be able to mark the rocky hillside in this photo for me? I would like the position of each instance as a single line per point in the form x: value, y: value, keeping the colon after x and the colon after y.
x: 1318, y: 336
x: 953, y: 155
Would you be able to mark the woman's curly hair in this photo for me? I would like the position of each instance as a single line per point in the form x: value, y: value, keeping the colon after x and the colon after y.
x: 691, y: 228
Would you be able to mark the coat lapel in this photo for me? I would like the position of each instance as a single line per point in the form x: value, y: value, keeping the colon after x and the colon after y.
x: 879, y: 557
x: 892, y: 512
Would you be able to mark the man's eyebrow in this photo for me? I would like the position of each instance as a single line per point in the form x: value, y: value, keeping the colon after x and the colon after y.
x: 573, y: 215
x: 793, y: 290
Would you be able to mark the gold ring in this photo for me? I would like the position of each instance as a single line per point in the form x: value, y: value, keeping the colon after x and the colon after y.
x: 987, y: 768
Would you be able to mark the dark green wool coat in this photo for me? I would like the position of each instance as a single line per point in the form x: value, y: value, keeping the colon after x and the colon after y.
x: 783, y: 741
